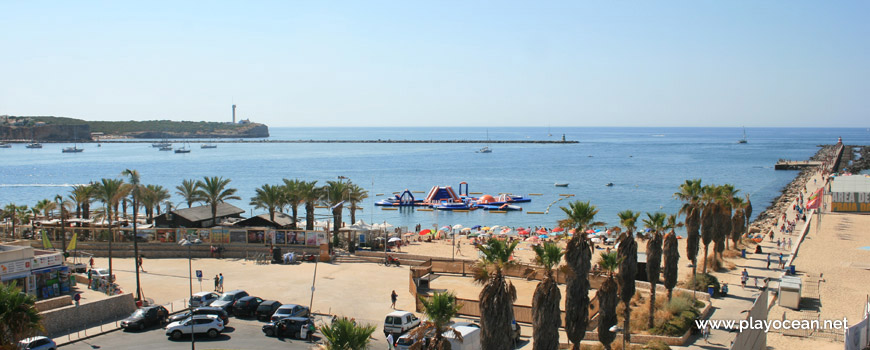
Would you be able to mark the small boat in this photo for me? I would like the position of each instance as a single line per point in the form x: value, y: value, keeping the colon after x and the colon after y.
x: 183, y: 149
x: 207, y: 146
x: 609, y: 184
x: 503, y: 207
x: 5, y: 145
x: 34, y: 145
x: 73, y: 149
x: 743, y: 140
x: 485, y: 149
x: 166, y: 148
x: 560, y: 184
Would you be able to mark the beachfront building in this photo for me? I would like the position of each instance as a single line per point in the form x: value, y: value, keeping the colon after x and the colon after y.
x: 198, y: 217
x: 37, y: 272
x: 850, y: 193
x: 281, y: 221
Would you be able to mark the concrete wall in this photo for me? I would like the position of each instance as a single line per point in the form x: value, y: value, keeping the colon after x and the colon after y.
x: 754, y: 339
x: 53, y: 303
x: 67, y: 319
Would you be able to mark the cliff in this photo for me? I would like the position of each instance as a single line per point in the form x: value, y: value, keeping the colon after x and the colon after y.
x: 43, y: 133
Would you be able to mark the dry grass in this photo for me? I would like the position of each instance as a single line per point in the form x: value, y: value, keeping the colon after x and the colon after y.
x: 640, y: 312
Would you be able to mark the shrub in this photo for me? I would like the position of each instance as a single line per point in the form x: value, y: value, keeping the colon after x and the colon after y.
x: 656, y: 345
x: 702, y: 280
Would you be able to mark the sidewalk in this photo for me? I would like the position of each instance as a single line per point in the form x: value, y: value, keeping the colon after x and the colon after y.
x: 739, y: 300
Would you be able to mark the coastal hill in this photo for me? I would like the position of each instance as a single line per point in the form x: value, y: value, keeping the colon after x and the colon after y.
x: 44, y: 128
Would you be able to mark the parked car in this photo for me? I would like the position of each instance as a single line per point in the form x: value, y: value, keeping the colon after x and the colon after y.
x: 202, y: 310
x: 202, y: 299
x: 246, y: 306
x: 77, y: 267
x: 100, y: 273
x: 145, y: 317
x: 227, y: 299
x: 292, y: 327
x: 398, y: 322
x: 290, y: 310
x: 266, y: 309
x: 37, y: 343
x: 198, y: 324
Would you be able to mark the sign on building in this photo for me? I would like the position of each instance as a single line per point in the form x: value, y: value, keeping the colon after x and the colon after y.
x: 850, y: 202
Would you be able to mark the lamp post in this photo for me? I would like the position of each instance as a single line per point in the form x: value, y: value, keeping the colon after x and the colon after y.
x: 188, y: 243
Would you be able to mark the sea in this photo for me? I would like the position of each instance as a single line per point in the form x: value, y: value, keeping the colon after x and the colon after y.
x: 645, y: 166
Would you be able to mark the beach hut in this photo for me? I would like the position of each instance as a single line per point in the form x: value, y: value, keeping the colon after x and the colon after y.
x: 790, y: 292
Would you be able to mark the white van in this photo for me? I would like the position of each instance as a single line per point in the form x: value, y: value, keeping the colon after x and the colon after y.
x: 399, y: 322
x: 470, y: 338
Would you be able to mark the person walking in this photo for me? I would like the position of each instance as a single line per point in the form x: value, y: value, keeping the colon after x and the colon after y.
x: 789, y: 243
x: 92, y: 263
x: 140, y: 264
x: 768, y: 261
x: 394, y: 297
x: 781, y: 263
x: 390, y: 341
x: 216, y: 279
x: 221, y: 282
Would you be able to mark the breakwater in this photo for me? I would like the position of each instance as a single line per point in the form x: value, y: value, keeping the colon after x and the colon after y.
x: 357, y: 141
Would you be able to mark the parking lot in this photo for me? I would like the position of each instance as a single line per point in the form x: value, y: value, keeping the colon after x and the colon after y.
x: 239, y: 334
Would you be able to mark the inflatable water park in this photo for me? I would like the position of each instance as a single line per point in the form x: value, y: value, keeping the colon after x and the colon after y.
x: 445, y: 198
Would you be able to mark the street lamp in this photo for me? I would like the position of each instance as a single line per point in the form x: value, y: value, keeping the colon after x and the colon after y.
x: 188, y: 243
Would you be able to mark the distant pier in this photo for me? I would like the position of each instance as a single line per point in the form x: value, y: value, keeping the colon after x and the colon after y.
x: 795, y: 164
x: 338, y: 141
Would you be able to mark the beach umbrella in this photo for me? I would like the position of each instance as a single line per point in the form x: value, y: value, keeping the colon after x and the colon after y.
x: 394, y: 239
x: 572, y: 231
x: 485, y: 228
x: 494, y: 227
x: 533, y: 239
x: 475, y: 227
x: 457, y: 226
x: 543, y: 236
x: 425, y: 232
x: 590, y: 231
x: 523, y: 232
x: 409, y: 234
x: 506, y: 230
x: 558, y: 229
x: 467, y: 229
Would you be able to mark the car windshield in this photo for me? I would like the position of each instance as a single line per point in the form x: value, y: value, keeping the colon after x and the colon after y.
x: 405, y: 341
x: 283, y: 311
x: 226, y: 297
x: 103, y: 271
x: 139, y: 313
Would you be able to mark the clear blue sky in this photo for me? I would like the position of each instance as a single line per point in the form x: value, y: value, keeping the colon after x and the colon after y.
x: 423, y: 63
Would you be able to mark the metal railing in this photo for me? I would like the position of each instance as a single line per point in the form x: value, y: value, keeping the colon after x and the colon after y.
x: 89, y: 330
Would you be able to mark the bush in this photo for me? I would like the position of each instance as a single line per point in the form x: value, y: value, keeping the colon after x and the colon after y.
x: 684, y: 310
x: 702, y: 280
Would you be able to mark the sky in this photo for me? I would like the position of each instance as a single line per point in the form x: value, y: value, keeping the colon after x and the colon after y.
x: 441, y: 63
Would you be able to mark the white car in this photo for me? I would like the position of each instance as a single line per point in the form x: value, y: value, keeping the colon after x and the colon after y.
x: 198, y: 324
x: 100, y: 273
x: 37, y: 343
x: 202, y: 299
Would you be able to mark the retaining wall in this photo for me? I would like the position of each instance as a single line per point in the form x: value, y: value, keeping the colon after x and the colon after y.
x: 72, y: 318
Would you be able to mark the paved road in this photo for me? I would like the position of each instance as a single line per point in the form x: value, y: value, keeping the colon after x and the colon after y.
x: 241, y: 334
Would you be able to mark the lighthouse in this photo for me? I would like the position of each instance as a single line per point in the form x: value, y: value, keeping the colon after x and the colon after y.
x: 234, y: 114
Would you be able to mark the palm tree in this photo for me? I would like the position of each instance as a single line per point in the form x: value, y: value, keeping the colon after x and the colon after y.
x: 334, y: 193
x: 607, y: 299
x: 344, y: 334
x: 672, y: 255
x: 355, y: 196
x: 213, y: 190
x: 627, y: 253
x: 656, y: 223
x: 187, y: 190
x: 135, y: 193
x: 578, y: 256
x: 748, y: 212
x: 32, y: 215
x: 11, y: 212
x: 690, y: 194
x: 439, y: 310
x: 293, y: 197
x: 546, y: 316
x: 269, y: 197
x: 64, y: 206
x: 309, y: 193
x: 110, y: 192
x: 738, y: 221
x: 725, y: 194
x: 45, y: 207
x: 19, y: 318
x: 497, y: 295
x: 707, y: 215
x: 81, y: 195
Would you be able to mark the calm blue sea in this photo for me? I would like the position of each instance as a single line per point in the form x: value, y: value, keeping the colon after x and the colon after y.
x: 645, y: 165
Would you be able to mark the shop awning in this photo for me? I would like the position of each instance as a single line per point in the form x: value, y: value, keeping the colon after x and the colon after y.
x: 50, y: 269
x: 14, y: 276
